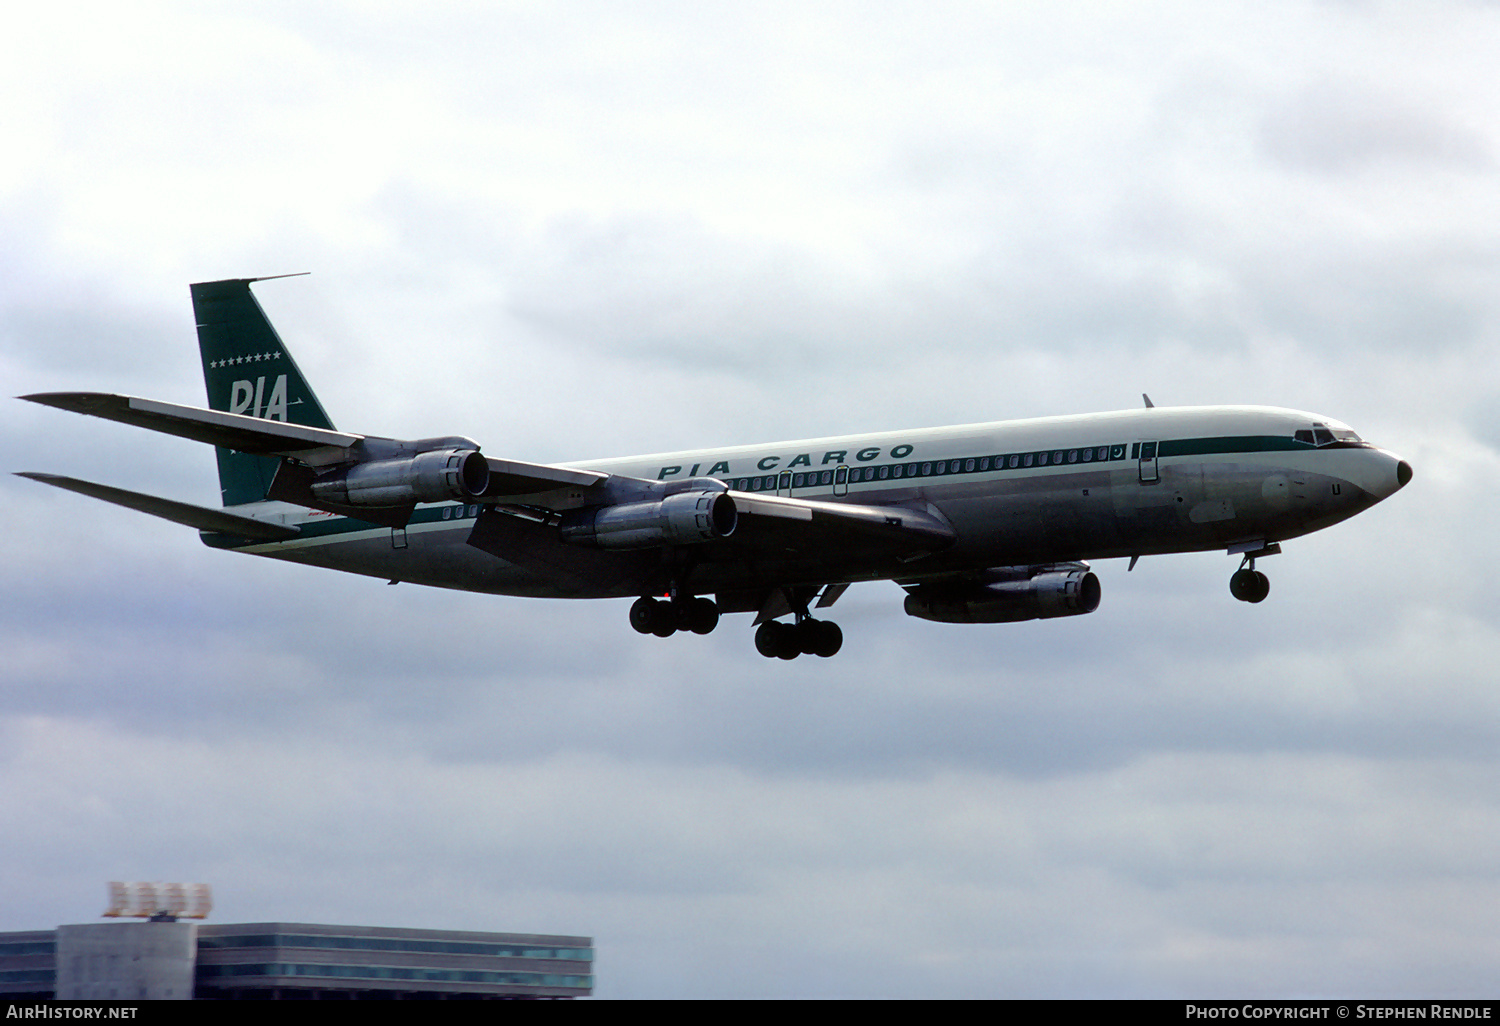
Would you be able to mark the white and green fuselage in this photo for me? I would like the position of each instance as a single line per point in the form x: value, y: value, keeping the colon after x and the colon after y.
x: 1050, y: 490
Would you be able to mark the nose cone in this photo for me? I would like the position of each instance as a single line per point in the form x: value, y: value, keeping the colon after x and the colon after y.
x: 1382, y: 474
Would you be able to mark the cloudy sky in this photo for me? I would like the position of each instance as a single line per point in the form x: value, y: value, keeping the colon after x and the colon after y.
x: 591, y: 229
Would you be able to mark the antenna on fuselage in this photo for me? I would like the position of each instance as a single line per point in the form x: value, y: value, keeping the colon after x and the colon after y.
x: 1149, y: 404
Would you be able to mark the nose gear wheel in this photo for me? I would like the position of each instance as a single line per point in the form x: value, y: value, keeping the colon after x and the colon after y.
x: 1248, y: 584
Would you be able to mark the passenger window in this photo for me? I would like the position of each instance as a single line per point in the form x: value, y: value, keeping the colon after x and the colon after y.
x: 1041, y: 459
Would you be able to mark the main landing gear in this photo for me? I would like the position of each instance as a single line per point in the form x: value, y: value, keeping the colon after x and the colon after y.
x: 665, y: 618
x: 773, y: 639
x: 776, y: 640
x: 1249, y: 584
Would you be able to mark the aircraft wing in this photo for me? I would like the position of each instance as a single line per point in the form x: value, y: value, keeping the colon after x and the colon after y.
x: 769, y: 524
x: 767, y: 528
x: 512, y: 477
x: 178, y: 512
x: 230, y: 430
x: 310, y: 445
x: 778, y: 524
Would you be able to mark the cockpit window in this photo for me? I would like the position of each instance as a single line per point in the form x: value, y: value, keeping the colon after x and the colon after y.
x: 1322, y: 434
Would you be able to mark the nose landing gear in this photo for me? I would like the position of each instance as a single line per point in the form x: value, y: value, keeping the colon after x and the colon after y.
x: 1249, y: 584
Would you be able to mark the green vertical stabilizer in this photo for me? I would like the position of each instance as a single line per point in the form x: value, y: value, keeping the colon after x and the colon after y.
x: 248, y: 370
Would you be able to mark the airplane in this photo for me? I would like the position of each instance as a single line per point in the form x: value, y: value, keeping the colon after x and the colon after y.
x: 980, y: 523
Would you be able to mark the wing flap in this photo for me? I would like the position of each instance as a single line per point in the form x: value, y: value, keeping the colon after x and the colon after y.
x: 178, y: 512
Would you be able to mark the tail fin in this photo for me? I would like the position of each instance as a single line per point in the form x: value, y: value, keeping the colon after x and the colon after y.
x: 248, y: 370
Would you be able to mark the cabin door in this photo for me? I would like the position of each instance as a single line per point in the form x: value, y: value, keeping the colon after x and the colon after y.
x: 1150, y: 473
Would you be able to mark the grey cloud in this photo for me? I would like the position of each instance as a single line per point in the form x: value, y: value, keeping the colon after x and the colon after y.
x: 1335, y: 128
x: 562, y: 241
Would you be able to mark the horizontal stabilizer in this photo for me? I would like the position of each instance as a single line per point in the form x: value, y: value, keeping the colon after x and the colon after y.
x: 178, y: 512
x: 229, y: 430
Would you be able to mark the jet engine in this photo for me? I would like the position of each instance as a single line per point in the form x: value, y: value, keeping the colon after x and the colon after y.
x: 686, y: 518
x: 1011, y: 595
x: 428, y: 477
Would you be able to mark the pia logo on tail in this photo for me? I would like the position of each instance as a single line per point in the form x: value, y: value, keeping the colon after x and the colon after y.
x: 247, y: 396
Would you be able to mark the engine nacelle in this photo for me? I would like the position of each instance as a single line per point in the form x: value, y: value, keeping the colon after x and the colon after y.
x: 1070, y: 592
x: 687, y: 518
x: 429, y: 477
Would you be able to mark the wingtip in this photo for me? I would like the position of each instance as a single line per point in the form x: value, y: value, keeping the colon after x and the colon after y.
x: 49, y: 398
x: 247, y: 281
x: 55, y: 480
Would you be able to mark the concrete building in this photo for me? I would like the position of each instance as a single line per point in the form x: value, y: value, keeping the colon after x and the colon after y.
x: 161, y: 960
x: 145, y: 961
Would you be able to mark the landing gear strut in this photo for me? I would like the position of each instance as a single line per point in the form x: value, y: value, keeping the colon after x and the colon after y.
x: 654, y: 616
x: 1249, y: 584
